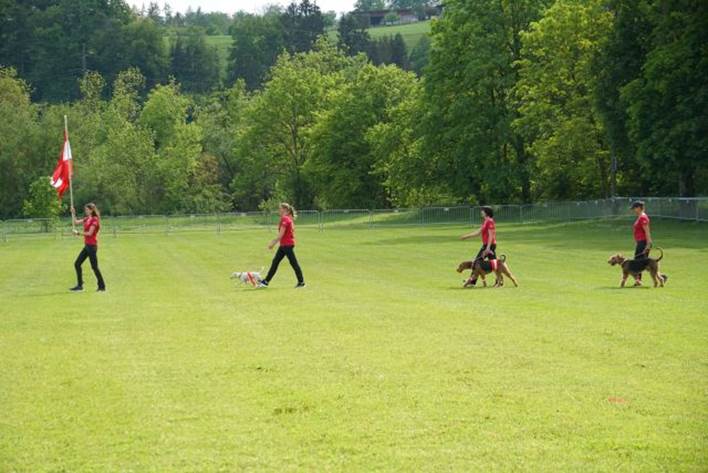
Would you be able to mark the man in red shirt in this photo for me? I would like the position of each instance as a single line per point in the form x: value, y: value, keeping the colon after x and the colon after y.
x: 488, y: 232
x: 642, y: 235
x: 286, y: 238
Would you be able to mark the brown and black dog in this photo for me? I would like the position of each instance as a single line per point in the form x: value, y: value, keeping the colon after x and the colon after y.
x: 480, y: 268
x: 635, y: 267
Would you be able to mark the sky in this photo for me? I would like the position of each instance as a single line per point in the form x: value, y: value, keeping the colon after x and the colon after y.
x: 232, y: 6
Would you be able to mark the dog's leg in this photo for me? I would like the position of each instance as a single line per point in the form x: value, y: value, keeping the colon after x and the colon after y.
x: 505, y: 269
x: 623, y: 281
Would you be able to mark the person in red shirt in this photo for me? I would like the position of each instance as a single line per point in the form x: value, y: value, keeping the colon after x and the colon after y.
x: 488, y: 233
x: 91, y: 224
x: 642, y: 235
x: 286, y: 239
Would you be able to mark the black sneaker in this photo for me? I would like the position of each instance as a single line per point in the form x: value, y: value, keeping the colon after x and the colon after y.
x: 299, y: 285
x: 77, y: 289
x: 101, y: 289
x: 262, y: 285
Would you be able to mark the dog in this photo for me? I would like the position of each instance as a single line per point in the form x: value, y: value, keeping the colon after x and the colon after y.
x: 248, y: 277
x: 480, y: 268
x: 635, y: 267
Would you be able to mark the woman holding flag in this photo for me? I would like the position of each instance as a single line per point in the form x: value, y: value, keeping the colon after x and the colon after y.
x: 91, y: 226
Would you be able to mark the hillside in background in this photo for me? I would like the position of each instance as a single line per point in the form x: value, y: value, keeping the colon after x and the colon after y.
x: 411, y: 33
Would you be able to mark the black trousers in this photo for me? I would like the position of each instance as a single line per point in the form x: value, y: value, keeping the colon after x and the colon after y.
x: 492, y: 255
x: 639, y: 254
x: 89, y: 252
x: 282, y: 252
x: 639, y: 249
x: 492, y: 248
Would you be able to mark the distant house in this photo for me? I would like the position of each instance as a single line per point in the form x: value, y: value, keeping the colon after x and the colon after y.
x: 378, y: 17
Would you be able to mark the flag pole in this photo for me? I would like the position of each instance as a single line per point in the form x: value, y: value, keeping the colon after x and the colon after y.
x: 71, y: 187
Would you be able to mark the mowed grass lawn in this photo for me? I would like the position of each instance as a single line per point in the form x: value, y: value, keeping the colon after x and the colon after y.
x: 382, y: 363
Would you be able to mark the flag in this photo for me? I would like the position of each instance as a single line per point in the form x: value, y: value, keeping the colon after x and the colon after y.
x: 63, y: 171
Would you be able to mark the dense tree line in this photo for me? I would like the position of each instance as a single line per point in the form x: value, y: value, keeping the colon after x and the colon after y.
x: 519, y: 101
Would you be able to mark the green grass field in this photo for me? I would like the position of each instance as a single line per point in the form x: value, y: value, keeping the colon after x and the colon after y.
x: 381, y: 364
x: 411, y: 35
x: 411, y: 32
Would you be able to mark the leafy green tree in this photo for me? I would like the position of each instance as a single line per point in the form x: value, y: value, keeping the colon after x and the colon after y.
x: 556, y: 93
x: 468, y: 105
x: 19, y: 160
x: 194, y: 64
x: 280, y: 118
x: 163, y: 112
x: 619, y: 62
x: 302, y: 25
x: 668, y: 103
x: 42, y: 202
x: 353, y: 35
x: 342, y: 164
x: 399, y: 54
x: 420, y: 55
x: 258, y: 40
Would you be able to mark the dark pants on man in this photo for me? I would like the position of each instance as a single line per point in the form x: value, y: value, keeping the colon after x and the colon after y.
x: 640, y: 253
x: 282, y: 252
x: 89, y: 252
x: 490, y: 256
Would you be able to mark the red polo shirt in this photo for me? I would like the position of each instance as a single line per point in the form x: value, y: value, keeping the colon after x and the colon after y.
x: 88, y: 223
x: 639, y: 233
x: 486, y: 226
x: 288, y: 238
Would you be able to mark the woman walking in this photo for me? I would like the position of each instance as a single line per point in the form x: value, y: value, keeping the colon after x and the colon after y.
x: 91, y: 224
x: 642, y: 235
x: 488, y: 233
x: 286, y: 240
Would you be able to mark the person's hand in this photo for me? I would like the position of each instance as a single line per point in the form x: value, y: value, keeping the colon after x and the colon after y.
x: 271, y: 245
x: 487, y: 252
x: 75, y: 232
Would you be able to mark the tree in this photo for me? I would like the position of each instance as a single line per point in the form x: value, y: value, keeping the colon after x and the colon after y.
x: 399, y: 54
x: 369, y: 5
x: 42, y: 202
x: 302, y: 23
x: 329, y: 19
x: 20, y: 160
x: 468, y: 105
x: 353, y: 35
x: 258, y: 40
x: 420, y: 55
x: 556, y: 93
x: 343, y: 163
x: 619, y: 62
x: 194, y: 64
x: 280, y: 118
x: 668, y: 103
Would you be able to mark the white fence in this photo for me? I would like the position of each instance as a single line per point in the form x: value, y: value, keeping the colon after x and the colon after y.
x: 691, y: 209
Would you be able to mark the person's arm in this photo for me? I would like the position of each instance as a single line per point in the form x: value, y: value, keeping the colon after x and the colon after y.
x: 492, y: 236
x: 77, y: 221
x: 472, y: 234
x: 88, y: 233
x: 281, y: 233
x: 648, y: 234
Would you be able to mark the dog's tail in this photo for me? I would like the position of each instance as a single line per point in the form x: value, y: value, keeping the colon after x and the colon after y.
x: 662, y: 254
x: 502, y: 258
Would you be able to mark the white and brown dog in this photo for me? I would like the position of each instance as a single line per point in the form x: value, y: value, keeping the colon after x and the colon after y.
x: 248, y: 277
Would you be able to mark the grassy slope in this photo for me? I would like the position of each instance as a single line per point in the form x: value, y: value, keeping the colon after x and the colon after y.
x: 411, y: 34
x: 383, y: 363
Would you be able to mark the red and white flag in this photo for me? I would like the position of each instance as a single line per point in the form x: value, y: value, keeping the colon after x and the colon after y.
x: 62, y: 173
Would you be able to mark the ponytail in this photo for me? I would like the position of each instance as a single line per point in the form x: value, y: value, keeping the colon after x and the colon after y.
x: 290, y: 209
x: 94, y: 210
